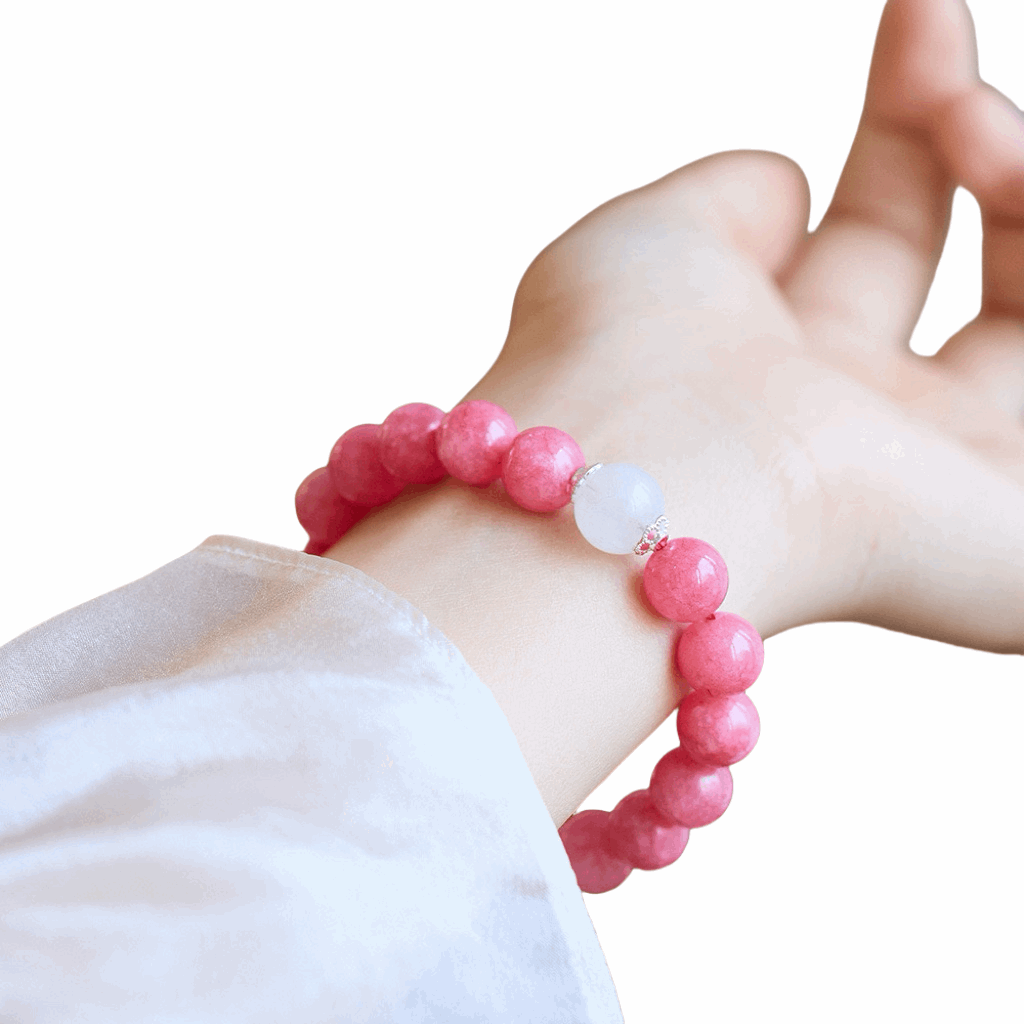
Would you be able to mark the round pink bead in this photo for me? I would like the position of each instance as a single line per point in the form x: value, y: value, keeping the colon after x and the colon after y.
x: 641, y: 835
x: 538, y: 468
x: 584, y: 836
x: 717, y: 730
x: 408, y: 443
x: 324, y: 514
x: 720, y: 655
x: 472, y: 441
x: 356, y: 470
x: 689, y: 793
x: 686, y: 580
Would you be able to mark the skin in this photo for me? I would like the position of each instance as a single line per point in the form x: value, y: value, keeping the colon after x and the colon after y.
x: 762, y: 374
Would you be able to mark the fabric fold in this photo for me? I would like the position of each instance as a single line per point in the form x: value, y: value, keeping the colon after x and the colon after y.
x: 256, y: 785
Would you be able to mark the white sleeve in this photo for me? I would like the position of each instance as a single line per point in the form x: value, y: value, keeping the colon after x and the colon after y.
x: 257, y: 786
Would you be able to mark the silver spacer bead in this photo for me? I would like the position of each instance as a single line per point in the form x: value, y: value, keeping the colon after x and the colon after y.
x: 580, y: 475
x: 654, y: 538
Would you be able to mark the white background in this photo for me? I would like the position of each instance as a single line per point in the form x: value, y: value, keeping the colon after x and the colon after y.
x: 229, y: 231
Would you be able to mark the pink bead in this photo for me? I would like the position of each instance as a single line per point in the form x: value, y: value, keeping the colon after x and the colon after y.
x: 538, y: 468
x: 584, y: 836
x: 356, y: 470
x: 641, y: 835
x: 686, y: 580
x: 324, y: 514
x: 408, y: 443
x: 720, y: 655
x: 688, y: 793
x: 472, y: 441
x: 717, y: 730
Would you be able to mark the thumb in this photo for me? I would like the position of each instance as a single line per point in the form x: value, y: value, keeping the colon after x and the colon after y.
x: 757, y: 201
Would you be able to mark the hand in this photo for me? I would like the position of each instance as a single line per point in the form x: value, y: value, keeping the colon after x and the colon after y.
x: 764, y: 375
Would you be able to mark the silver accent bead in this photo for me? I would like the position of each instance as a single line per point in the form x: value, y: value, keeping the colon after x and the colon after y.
x: 580, y: 475
x: 655, y: 537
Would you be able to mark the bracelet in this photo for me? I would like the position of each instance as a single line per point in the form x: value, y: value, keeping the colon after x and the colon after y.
x: 618, y: 508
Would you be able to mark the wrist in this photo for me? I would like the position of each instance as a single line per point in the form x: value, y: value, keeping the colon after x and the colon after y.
x: 561, y: 633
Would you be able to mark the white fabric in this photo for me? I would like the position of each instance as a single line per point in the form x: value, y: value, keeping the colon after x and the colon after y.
x: 257, y: 786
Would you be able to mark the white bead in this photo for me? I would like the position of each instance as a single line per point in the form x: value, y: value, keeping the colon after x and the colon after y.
x: 614, y: 504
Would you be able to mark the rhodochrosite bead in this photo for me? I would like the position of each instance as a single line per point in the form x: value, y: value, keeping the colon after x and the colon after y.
x: 356, y: 470
x: 538, y: 468
x: 324, y: 514
x: 614, y: 504
x: 619, y: 508
x: 689, y: 793
x: 642, y: 836
x: 408, y: 443
x: 685, y: 580
x: 584, y: 837
x: 720, y: 655
x: 472, y: 441
x: 717, y: 730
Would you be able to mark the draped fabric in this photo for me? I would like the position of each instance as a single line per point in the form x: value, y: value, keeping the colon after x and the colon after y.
x: 257, y: 786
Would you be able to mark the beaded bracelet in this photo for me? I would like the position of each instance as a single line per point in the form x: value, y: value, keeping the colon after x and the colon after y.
x: 618, y: 508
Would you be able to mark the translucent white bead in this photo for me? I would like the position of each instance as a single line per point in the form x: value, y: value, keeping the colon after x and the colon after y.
x: 614, y: 504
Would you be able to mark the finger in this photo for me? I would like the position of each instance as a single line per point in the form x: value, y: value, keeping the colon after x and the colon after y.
x: 981, y: 135
x: 861, y: 280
